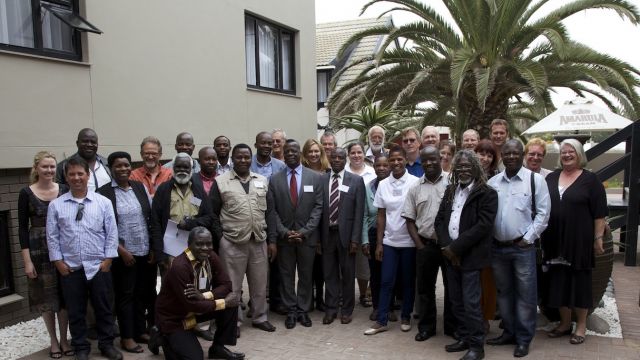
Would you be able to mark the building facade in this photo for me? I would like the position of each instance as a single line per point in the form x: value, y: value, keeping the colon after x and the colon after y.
x: 232, y: 67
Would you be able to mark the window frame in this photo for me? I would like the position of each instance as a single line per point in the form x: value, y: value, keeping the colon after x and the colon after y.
x: 5, y: 255
x: 280, y: 64
x: 38, y: 40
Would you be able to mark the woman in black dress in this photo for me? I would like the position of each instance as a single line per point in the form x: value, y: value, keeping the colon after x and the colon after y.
x: 575, y: 231
x: 45, y: 295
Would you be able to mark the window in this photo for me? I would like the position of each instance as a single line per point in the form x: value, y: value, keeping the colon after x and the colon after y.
x: 50, y: 28
x: 269, y: 51
x: 6, y: 276
x: 323, y: 78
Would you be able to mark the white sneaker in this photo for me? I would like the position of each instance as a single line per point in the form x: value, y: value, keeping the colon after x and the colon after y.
x: 405, y: 325
x: 376, y: 328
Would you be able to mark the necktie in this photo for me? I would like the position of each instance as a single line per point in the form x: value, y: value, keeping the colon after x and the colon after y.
x: 334, y: 199
x: 293, y: 189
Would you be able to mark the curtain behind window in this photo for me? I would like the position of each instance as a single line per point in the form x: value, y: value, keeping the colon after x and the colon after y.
x: 268, y: 50
x: 16, y: 25
x: 250, y: 49
x: 322, y: 86
x: 287, y: 50
x: 56, y: 35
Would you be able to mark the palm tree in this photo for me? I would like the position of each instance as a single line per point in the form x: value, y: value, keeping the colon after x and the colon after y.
x: 370, y: 114
x: 494, y: 53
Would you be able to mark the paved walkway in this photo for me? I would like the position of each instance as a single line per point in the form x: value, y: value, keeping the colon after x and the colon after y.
x: 337, y: 341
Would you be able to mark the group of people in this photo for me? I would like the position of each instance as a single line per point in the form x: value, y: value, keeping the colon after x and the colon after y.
x: 304, y: 223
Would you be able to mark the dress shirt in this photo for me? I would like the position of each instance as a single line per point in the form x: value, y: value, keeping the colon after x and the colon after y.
x: 182, y: 205
x: 390, y: 196
x: 340, y: 179
x: 207, y: 181
x: 367, y: 174
x: 371, y: 157
x: 84, y: 243
x: 415, y: 169
x: 98, y: 176
x: 423, y: 202
x: 298, y: 172
x: 221, y: 169
x: 142, y: 175
x: 460, y: 197
x: 271, y: 167
x: 132, y: 226
x: 513, y: 219
x: 195, y: 166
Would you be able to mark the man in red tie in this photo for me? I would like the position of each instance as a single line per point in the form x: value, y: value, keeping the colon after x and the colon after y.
x: 293, y: 224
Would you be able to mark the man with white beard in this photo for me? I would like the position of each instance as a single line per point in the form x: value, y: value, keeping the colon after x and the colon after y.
x: 376, y: 144
x: 181, y: 199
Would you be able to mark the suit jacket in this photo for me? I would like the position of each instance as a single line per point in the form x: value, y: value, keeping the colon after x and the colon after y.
x: 61, y: 179
x: 351, y: 209
x: 108, y: 191
x: 160, y: 213
x: 473, y: 245
x: 305, y: 217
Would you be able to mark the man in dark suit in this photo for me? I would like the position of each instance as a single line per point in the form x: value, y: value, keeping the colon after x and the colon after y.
x: 181, y: 199
x: 341, y: 235
x: 464, y: 226
x: 297, y: 194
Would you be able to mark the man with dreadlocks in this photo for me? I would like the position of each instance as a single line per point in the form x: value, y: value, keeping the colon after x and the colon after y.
x: 464, y: 226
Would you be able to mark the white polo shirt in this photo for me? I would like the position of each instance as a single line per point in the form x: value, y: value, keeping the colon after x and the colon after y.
x: 390, y: 196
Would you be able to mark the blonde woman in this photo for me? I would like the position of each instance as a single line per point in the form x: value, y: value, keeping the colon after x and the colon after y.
x: 314, y: 157
x: 45, y: 295
x: 534, y: 153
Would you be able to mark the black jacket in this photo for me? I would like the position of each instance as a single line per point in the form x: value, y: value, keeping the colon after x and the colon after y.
x: 161, y: 208
x: 473, y: 245
x: 108, y: 191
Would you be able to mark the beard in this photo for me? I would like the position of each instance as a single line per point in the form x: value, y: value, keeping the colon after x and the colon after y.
x: 182, y: 177
x: 376, y: 147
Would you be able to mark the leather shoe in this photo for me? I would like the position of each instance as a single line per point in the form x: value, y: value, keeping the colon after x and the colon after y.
x: 328, y: 318
x: 473, y: 355
x: 290, y: 322
x: 424, y: 335
x: 82, y: 356
x: 304, y: 319
x: 111, y: 353
x: 155, y: 340
x: 346, y: 319
x: 264, y: 326
x: 521, y: 351
x: 457, y: 346
x: 501, y: 340
x: 221, y: 352
x: 279, y: 309
x: 204, y: 334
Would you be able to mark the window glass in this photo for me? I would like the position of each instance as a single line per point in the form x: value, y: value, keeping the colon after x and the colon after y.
x: 16, y: 24
x: 250, y: 49
x: 322, y: 86
x: 287, y: 61
x: 56, y: 34
x: 268, y: 55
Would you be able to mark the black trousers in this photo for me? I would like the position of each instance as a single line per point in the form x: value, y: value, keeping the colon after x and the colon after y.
x: 464, y: 292
x: 339, y: 274
x: 77, y: 291
x: 318, y: 279
x: 130, y: 283
x: 184, y: 344
x: 150, y: 294
x: 274, y: 285
x: 429, y: 261
x: 375, y: 268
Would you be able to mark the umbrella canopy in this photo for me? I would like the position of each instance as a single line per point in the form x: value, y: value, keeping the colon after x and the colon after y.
x: 579, y: 115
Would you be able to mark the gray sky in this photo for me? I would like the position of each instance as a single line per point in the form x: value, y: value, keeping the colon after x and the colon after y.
x: 602, y: 30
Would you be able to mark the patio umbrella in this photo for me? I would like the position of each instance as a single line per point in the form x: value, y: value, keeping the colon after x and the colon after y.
x: 577, y: 115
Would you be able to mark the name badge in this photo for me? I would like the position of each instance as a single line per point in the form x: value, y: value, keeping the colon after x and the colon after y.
x: 258, y: 184
x: 202, y: 283
x: 396, y: 192
x: 195, y: 201
x: 308, y: 188
x: 343, y: 188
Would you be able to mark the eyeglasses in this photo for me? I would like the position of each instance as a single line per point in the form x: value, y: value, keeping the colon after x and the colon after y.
x: 410, y: 140
x: 535, y: 155
x: 80, y: 212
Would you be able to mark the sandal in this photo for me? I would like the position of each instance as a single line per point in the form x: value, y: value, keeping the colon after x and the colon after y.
x: 134, y: 350
x: 556, y: 333
x: 69, y: 352
x: 576, y: 339
x: 55, y: 354
x: 365, y: 301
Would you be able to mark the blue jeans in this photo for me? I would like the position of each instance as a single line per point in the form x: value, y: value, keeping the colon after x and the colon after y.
x: 514, y: 270
x: 394, y: 259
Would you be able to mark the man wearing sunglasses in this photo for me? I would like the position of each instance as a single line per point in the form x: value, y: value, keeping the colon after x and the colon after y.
x: 82, y: 237
x: 411, y: 145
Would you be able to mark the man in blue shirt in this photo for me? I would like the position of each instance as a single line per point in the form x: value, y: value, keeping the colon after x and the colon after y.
x: 262, y: 163
x: 82, y: 237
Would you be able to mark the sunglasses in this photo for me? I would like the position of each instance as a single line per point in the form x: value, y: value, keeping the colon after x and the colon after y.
x: 406, y: 141
x: 80, y: 212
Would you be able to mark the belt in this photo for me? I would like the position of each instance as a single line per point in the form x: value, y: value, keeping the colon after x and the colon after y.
x: 428, y: 241
x: 506, y: 243
x: 333, y: 226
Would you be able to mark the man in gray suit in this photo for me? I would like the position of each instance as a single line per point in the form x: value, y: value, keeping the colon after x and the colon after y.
x: 341, y: 236
x: 297, y: 193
